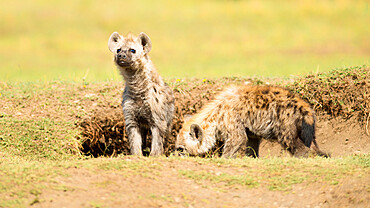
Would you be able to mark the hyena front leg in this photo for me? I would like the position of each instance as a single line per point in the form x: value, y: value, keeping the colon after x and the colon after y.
x: 235, y: 140
x: 157, y: 142
x: 135, y: 140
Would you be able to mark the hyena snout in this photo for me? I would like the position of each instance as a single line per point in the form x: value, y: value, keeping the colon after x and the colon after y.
x: 121, y: 56
x: 180, y: 151
x: 123, y: 60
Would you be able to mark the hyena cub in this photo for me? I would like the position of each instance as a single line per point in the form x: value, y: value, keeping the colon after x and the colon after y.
x: 148, y: 103
x: 244, y: 115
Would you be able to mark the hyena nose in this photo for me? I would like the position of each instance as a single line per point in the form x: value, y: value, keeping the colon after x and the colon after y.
x: 121, y: 56
x: 180, y: 149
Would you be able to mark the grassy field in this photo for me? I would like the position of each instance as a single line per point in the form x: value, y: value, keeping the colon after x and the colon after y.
x: 67, y: 40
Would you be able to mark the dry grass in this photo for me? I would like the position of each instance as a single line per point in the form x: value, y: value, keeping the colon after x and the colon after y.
x: 341, y: 92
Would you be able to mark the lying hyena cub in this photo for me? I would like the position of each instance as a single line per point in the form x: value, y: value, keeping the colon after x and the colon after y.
x: 148, y: 103
x: 244, y: 115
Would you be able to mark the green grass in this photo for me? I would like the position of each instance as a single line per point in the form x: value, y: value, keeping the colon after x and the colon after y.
x: 227, y: 179
x: 280, y: 174
x: 44, y: 40
x: 37, y: 139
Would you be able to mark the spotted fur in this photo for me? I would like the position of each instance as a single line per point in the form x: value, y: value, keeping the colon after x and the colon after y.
x: 148, y: 103
x: 246, y: 114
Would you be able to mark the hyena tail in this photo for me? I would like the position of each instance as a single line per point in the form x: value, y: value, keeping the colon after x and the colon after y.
x: 307, y: 133
x: 308, y: 137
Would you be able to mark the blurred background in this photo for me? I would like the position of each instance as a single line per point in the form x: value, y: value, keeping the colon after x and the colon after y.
x: 67, y: 39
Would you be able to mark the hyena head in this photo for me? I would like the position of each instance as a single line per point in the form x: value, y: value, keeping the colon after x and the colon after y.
x: 129, y: 51
x: 189, y: 140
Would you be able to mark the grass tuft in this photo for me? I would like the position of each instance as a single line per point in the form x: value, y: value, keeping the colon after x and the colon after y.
x: 38, y: 139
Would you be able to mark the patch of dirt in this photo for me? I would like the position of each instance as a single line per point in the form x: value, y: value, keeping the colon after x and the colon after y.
x: 85, y: 188
x: 338, y: 136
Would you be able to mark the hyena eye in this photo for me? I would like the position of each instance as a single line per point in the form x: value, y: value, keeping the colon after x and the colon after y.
x: 118, y: 50
x: 132, y: 50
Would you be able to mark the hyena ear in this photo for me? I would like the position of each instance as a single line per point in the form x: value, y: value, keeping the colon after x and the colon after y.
x: 197, y: 132
x: 145, y: 42
x: 113, y: 41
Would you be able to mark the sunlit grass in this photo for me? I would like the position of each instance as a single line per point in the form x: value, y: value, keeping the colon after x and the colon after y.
x: 38, y: 139
x: 66, y: 39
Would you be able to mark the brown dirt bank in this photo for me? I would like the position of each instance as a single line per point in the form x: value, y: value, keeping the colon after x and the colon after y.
x: 340, y: 98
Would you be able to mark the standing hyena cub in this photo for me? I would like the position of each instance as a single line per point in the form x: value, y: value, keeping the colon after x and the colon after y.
x: 244, y: 115
x: 148, y: 103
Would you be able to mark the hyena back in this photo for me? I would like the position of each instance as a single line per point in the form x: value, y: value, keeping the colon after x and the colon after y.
x: 245, y: 115
x: 148, y: 103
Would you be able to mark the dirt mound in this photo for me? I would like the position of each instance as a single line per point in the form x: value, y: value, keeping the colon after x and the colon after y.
x: 104, y: 133
x: 343, y: 93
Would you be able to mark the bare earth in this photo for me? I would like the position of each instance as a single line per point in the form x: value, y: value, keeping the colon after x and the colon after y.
x: 167, y: 188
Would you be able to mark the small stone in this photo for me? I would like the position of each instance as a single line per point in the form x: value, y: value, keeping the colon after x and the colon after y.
x: 357, y: 152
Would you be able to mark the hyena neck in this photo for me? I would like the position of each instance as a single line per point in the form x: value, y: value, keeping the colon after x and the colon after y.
x: 140, y: 77
x: 208, y: 141
x: 209, y: 130
x: 207, y: 144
